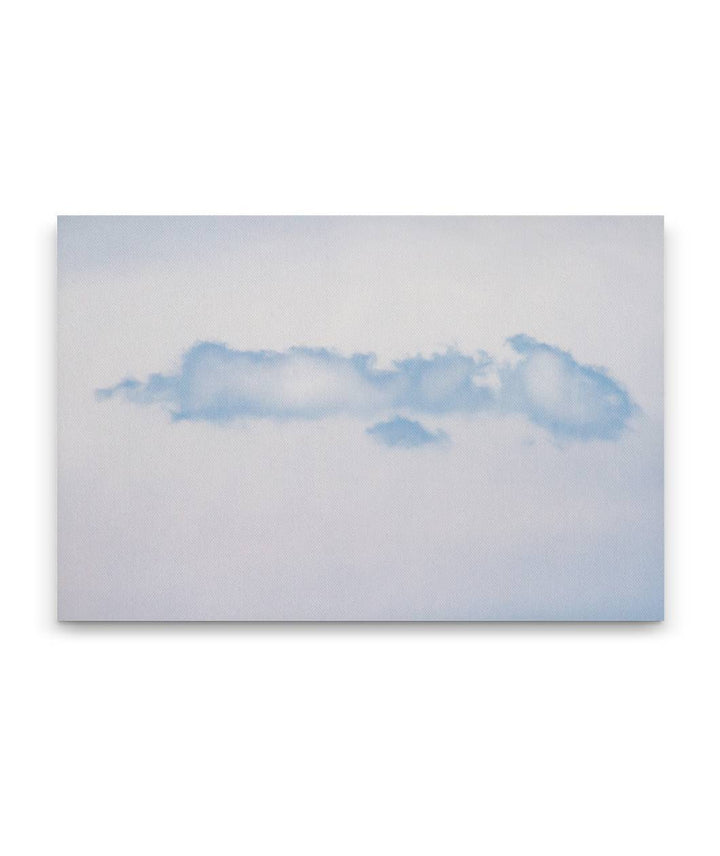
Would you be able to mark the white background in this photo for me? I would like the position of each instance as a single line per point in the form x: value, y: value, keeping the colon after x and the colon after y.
x: 503, y: 739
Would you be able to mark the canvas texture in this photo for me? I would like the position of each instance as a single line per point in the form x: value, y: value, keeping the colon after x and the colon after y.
x: 360, y: 418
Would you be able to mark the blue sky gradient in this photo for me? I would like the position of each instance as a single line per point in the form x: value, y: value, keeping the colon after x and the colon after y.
x: 225, y: 470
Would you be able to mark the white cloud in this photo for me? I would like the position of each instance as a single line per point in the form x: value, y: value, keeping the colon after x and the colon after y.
x: 216, y: 383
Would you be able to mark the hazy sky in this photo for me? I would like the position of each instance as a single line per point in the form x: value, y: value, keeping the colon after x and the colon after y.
x: 360, y: 418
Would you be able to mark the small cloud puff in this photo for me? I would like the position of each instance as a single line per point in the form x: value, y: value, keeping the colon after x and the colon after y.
x: 217, y: 383
x: 405, y: 433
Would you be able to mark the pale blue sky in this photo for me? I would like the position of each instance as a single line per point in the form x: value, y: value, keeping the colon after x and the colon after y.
x: 360, y: 418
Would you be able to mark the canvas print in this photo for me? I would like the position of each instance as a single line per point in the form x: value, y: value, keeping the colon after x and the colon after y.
x: 360, y: 418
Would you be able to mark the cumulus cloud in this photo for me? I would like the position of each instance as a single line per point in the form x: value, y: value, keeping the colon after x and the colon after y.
x: 405, y: 433
x: 217, y: 383
x: 566, y: 398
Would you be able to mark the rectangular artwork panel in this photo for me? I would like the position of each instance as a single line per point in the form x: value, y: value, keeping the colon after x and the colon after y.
x: 360, y: 418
